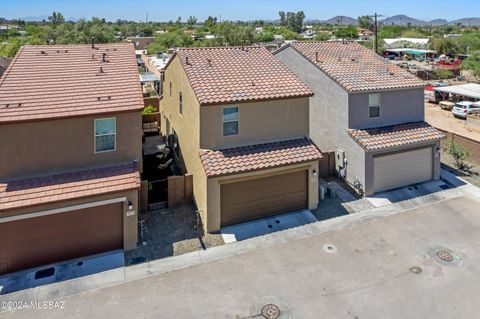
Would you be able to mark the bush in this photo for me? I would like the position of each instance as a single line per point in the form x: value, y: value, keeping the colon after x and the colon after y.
x: 443, y: 74
x: 459, y: 154
x: 148, y: 110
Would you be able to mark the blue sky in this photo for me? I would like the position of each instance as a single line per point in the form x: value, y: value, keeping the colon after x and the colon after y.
x: 163, y: 10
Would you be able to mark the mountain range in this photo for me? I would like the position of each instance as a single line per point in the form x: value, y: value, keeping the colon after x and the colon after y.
x: 402, y: 20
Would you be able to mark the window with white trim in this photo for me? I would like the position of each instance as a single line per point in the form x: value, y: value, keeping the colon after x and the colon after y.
x: 374, y: 105
x: 230, y: 121
x: 105, y: 134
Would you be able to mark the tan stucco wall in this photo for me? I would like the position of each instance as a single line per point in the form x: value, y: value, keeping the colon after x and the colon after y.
x: 259, y: 122
x: 214, y: 186
x: 130, y: 229
x: 187, y: 128
x: 49, y: 146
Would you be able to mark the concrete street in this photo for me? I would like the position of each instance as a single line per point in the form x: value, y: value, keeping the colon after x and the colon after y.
x: 360, y: 270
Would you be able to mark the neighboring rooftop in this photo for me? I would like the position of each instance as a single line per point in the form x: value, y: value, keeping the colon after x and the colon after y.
x: 471, y: 90
x: 58, y: 81
x: 354, y: 67
x: 239, y: 74
x: 395, y: 135
x: 256, y: 157
x: 67, y: 186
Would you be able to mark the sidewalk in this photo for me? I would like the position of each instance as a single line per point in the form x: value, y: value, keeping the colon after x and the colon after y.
x: 128, y: 274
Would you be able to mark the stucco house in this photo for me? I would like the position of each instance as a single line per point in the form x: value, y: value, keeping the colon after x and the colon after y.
x: 70, y: 150
x: 242, y: 124
x: 368, y: 112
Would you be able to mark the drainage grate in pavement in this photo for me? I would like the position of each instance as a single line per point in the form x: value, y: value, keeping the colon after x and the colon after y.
x: 270, y: 311
x: 44, y: 273
x: 446, y: 257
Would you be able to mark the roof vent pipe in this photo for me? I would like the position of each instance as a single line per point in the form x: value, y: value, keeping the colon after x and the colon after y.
x: 104, y: 55
x: 187, y: 60
x: 101, y: 70
x: 316, y: 56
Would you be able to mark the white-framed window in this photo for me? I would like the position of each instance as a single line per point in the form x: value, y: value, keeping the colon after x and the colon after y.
x: 374, y: 105
x: 230, y: 121
x: 180, y: 103
x: 105, y: 134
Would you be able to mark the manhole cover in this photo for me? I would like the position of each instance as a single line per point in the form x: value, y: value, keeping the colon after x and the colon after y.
x: 271, y: 311
x: 444, y: 255
x: 270, y: 308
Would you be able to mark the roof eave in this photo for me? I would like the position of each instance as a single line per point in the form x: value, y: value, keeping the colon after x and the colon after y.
x: 257, y: 100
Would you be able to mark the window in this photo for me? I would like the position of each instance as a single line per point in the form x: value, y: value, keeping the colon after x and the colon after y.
x: 170, y: 89
x: 105, y: 131
x: 230, y: 121
x: 374, y: 105
x: 180, y: 103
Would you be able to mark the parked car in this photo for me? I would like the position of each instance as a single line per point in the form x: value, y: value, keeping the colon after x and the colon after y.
x: 462, y: 109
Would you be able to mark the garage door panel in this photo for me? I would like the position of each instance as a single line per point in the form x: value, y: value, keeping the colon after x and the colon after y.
x: 48, y: 239
x: 263, y: 197
x: 403, y: 169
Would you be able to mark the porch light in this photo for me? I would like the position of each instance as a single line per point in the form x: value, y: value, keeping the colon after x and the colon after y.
x: 130, y: 205
x: 314, y: 173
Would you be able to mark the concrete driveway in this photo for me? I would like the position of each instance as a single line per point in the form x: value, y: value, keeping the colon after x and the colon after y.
x: 360, y: 270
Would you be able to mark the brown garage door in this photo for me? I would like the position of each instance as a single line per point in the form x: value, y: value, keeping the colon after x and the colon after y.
x: 263, y: 197
x: 48, y: 239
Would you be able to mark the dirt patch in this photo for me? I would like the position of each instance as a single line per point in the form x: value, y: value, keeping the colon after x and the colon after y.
x: 471, y: 175
x: 170, y: 232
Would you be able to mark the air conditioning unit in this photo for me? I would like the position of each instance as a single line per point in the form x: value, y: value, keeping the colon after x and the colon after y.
x: 339, y: 159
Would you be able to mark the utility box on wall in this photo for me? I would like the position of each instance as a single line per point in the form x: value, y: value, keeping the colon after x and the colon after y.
x: 339, y: 159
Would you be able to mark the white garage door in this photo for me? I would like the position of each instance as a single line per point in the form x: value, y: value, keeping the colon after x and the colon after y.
x: 402, y: 169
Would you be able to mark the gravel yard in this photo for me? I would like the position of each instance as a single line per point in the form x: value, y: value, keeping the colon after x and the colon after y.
x: 472, y: 175
x: 170, y: 232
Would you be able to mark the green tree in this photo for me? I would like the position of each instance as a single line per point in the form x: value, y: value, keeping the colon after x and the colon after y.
x: 228, y: 33
x: 469, y: 41
x: 168, y: 40
x: 210, y: 22
x: 56, y: 18
x: 459, y: 154
x: 264, y: 37
x: 349, y: 32
x: 191, y: 21
x: 283, y: 19
x: 444, y: 46
x: 366, y: 22
x: 472, y: 63
x: 322, y: 36
x: 413, y: 34
x: 443, y: 74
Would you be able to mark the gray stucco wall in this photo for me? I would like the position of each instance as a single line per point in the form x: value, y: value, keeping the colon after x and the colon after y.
x: 328, y: 113
x: 398, y: 106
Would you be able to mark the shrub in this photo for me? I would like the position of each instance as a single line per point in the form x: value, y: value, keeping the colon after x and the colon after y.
x: 459, y: 154
x: 443, y: 74
x: 148, y: 110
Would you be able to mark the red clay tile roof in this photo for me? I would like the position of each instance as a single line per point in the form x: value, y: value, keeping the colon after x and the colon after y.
x: 235, y: 74
x: 56, y: 81
x: 256, y: 157
x: 354, y: 67
x: 396, y: 135
x: 68, y: 186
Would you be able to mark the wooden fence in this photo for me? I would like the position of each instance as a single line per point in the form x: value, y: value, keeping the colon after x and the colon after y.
x: 180, y: 189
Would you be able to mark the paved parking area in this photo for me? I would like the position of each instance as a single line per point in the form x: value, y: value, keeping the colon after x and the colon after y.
x: 378, y: 268
x: 444, y: 120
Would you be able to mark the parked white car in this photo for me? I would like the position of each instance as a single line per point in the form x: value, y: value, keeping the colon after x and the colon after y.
x: 462, y: 109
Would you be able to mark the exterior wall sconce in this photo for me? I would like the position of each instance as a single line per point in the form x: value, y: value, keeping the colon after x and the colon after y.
x: 314, y: 173
x: 130, y: 205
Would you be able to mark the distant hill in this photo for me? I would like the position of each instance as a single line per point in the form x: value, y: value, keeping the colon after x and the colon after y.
x: 403, y: 20
x: 438, y: 22
x: 467, y: 21
x: 44, y: 17
x: 343, y: 20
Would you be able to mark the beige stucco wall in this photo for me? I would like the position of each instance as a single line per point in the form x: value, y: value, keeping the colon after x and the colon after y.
x: 200, y: 127
x: 258, y: 122
x: 214, y: 187
x: 41, y: 147
x: 187, y: 128
x: 130, y: 229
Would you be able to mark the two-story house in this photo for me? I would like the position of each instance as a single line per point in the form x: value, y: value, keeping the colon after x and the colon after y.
x: 70, y: 152
x: 242, y: 123
x: 369, y: 112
